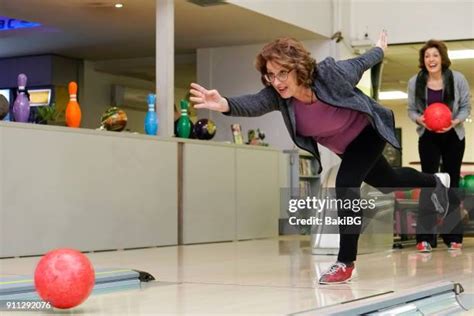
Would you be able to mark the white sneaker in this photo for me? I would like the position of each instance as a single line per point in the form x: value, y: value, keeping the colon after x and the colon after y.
x: 439, y: 197
x: 444, y: 178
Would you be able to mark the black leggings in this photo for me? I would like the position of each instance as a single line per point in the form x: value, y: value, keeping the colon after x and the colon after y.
x: 363, y: 162
x: 434, y: 148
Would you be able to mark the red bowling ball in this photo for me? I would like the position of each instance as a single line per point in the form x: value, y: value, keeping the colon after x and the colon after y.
x: 437, y: 116
x: 64, y: 278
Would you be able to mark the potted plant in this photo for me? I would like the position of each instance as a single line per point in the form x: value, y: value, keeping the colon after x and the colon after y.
x: 48, y: 115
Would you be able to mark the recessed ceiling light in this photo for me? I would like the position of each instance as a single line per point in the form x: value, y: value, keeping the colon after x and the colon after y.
x: 392, y: 95
x: 119, y: 5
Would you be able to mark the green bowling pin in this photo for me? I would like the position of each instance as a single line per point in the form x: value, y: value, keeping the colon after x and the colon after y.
x: 184, y: 123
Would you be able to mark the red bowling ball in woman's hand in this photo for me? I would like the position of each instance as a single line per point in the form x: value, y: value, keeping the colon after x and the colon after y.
x: 437, y: 116
x: 64, y: 278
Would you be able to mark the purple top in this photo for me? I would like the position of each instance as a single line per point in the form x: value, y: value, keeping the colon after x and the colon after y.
x: 330, y: 126
x: 435, y: 96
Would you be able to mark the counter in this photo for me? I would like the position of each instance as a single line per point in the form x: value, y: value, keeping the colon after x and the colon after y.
x: 98, y: 190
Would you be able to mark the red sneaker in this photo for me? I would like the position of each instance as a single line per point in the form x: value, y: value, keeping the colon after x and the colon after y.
x: 423, y: 246
x: 455, y: 246
x: 338, y: 273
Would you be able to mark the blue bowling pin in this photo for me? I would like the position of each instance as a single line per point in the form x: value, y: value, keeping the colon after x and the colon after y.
x: 151, y: 119
x: 21, y: 106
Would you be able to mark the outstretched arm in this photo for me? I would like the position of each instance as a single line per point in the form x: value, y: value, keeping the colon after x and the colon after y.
x: 207, y: 99
x: 247, y: 105
x: 354, y: 68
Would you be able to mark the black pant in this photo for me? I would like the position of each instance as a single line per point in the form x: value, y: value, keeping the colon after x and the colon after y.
x: 435, y: 148
x: 363, y: 161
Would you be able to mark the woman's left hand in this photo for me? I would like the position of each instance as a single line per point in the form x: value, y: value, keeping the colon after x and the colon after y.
x: 382, y: 41
x: 447, y: 129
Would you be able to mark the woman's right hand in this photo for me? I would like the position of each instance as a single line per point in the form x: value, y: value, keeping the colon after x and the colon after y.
x: 421, y: 121
x: 207, y: 99
x: 382, y: 41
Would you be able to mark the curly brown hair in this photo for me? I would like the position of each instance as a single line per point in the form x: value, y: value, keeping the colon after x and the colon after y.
x: 442, y: 49
x: 291, y: 55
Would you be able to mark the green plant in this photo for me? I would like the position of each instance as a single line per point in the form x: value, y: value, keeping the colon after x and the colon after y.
x: 48, y: 113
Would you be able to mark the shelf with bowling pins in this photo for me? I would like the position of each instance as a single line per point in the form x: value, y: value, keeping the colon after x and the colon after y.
x: 21, y: 107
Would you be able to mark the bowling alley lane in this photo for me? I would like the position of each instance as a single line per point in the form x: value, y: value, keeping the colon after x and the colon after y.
x: 257, y: 277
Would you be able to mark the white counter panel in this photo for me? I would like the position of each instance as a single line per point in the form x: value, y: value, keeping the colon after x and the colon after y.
x: 84, y: 189
x: 208, y: 193
x: 258, y: 193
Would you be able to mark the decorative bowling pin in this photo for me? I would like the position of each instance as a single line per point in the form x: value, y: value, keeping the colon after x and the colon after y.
x: 184, y: 123
x: 21, y: 107
x: 151, y: 119
x: 73, y: 111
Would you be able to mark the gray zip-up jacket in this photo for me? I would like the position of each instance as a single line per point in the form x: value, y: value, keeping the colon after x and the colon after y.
x: 461, y: 105
x: 333, y: 83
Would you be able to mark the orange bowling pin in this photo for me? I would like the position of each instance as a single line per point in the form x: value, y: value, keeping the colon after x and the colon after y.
x: 73, y: 111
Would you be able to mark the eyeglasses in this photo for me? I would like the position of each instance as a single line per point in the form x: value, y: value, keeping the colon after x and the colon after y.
x: 281, y: 76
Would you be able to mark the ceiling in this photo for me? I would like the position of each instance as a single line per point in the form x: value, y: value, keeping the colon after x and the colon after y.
x: 95, y: 30
x: 122, y: 41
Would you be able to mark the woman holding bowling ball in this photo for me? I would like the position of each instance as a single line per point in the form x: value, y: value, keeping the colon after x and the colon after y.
x: 436, y: 83
x: 320, y: 104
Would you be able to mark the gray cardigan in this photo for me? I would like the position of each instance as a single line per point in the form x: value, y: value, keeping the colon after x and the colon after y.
x: 461, y: 105
x: 333, y: 83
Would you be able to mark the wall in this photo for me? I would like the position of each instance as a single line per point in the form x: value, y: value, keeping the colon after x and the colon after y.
x: 95, y: 95
x: 407, y: 21
x: 315, y: 16
x: 410, y: 21
x: 41, y: 70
